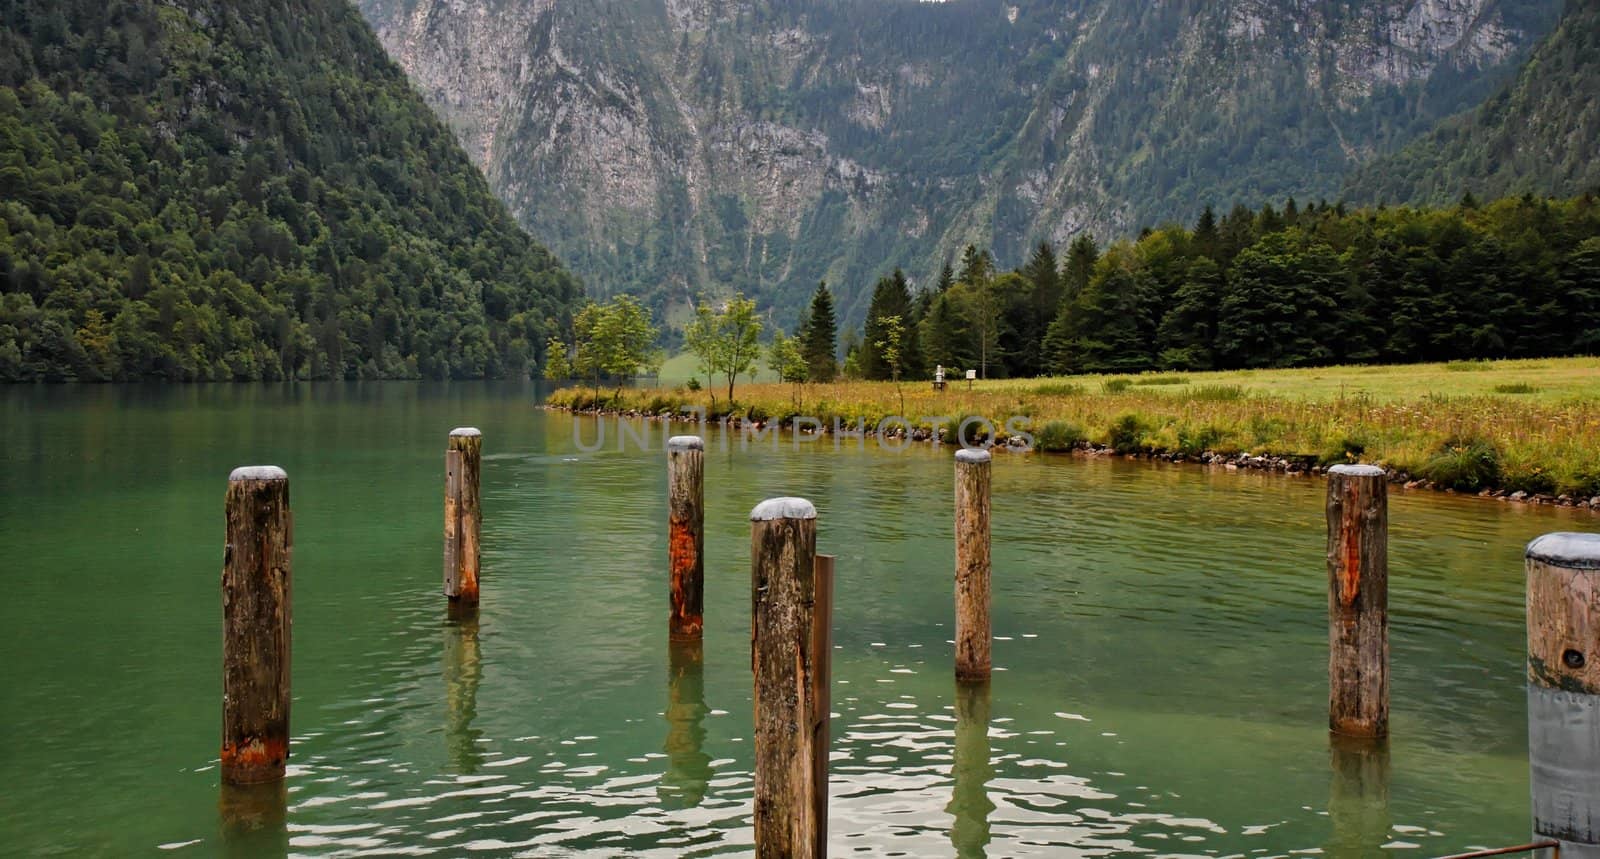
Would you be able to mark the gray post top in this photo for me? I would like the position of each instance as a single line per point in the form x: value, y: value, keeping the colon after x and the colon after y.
x: 686, y: 442
x: 783, y: 508
x: 1357, y: 470
x: 465, y: 431
x: 257, y: 472
x: 1568, y: 549
x: 972, y: 455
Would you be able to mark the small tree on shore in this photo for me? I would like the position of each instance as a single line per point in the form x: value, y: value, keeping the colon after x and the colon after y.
x: 891, y: 348
x: 785, y: 358
x: 725, y: 340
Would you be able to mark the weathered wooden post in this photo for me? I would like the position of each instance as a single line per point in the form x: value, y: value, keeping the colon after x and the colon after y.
x: 822, y: 697
x: 686, y: 535
x: 783, y: 548
x: 1564, y: 690
x: 463, y: 460
x: 971, y: 771
x: 1358, y: 601
x: 256, y: 623
x: 972, y: 564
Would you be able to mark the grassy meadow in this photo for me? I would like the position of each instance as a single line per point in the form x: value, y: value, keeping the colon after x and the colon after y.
x: 1531, y: 425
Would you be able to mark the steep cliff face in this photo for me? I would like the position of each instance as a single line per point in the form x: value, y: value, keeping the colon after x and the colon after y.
x: 672, y: 147
x: 1540, y: 134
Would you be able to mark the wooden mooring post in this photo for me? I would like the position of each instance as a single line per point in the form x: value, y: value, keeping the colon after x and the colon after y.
x: 822, y: 697
x: 1563, y: 590
x: 1358, y: 601
x: 463, y: 520
x: 686, y: 536
x: 972, y: 564
x: 256, y: 622
x: 783, y: 548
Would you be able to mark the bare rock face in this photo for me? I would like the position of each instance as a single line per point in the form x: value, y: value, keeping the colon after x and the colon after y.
x: 674, y: 147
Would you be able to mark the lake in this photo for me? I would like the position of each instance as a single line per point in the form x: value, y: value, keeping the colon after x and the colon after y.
x: 1160, y: 653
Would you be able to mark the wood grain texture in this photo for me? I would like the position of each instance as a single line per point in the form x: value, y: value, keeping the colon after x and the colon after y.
x: 463, y: 516
x: 972, y: 569
x: 256, y: 625
x: 1563, y: 626
x: 1358, y: 603
x: 686, y: 542
x: 783, y: 576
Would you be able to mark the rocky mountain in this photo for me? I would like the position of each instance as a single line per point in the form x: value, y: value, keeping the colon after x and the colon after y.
x: 1539, y: 135
x: 675, y: 147
x: 225, y: 190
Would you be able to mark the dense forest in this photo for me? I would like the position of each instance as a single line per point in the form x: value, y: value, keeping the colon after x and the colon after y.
x: 1273, y: 287
x: 208, y: 190
x: 1538, y: 134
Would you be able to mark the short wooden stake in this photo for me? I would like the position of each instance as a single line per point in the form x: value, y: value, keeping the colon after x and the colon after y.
x: 686, y: 535
x: 822, y: 698
x: 463, y: 461
x: 972, y: 564
x: 256, y: 622
x: 1564, y: 689
x: 1358, y: 601
x: 971, y: 771
x: 783, y: 548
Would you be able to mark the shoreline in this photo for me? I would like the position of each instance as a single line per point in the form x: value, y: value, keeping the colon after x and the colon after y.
x: 1297, y: 466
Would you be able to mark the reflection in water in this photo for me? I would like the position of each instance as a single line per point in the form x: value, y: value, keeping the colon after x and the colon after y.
x: 688, y: 766
x: 463, y: 669
x: 972, y: 772
x: 254, y: 819
x: 1358, y: 795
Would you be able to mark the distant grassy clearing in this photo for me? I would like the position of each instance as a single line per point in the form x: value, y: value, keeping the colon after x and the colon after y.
x: 1540, y: 419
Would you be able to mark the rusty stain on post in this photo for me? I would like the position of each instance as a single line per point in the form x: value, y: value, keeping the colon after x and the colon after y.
x: 1358, y: 600
x: 686, y: 536
x: 256, y: 624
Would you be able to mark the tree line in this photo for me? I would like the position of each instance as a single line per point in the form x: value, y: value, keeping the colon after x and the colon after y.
x: 1273, y: 287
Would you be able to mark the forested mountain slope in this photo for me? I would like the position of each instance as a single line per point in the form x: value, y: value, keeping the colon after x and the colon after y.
x: 1539, y: 135
x: 217, y: 189
x: 675, y: 147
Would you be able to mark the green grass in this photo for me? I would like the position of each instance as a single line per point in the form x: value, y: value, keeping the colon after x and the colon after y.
x: 1539, y: 420
x: 680, y: 368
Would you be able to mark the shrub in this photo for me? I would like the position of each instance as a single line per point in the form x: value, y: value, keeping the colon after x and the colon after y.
x: 1126, y: 434
x: 1345, y: 449
x: 1193, y: 442
x: 1116, y: 386
x: 1057, y: 436
x: 1464, y: 463
x: 1162, y: 380
x: 1534, y: 481
x: 1217, y: 393
x: 694, y: 383
x: 1060, y: 389
x: 1516, y: 388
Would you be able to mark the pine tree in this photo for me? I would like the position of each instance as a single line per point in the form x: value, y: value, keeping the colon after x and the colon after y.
x: 1189, y: 329
x: 1206, y: 238
x: 1082, y: 254
x: 818, y: 337
x: 947, y: 278
x: 946, y: 334
x: 891, y: 296
x: 1044, y: 300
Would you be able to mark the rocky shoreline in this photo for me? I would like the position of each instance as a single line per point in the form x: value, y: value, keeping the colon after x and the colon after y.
x: 1288, y: 465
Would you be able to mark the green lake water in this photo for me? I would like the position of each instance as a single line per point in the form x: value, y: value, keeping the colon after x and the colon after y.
x: 1160, y: 683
